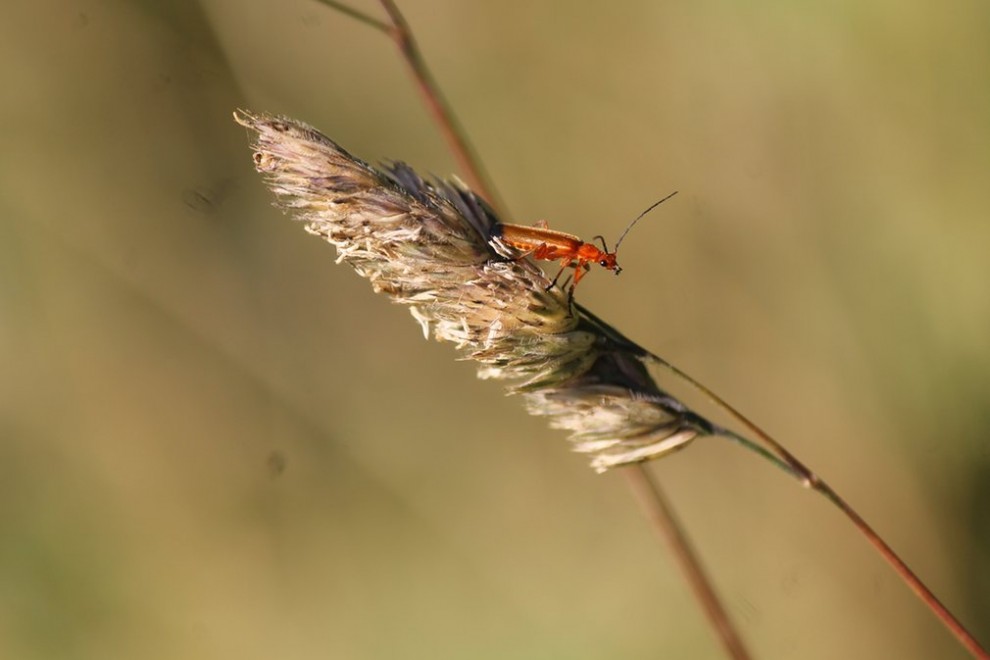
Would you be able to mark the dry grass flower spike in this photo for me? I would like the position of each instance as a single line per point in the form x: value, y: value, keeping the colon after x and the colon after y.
x: 429, y: 245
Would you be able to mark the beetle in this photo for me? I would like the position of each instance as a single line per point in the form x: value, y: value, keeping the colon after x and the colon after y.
x: 541, y: 242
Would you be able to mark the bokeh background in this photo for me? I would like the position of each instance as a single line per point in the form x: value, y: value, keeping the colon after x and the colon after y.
x: 214, y: 443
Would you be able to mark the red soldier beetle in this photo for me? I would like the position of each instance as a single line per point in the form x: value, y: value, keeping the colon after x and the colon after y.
x: 547, y: 244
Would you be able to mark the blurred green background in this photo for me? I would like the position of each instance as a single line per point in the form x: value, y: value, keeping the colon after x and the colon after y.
x: 217, y: 444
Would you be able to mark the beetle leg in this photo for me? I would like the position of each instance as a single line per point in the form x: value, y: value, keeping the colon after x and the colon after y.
x: 557, y: 277
x: 580, y: 268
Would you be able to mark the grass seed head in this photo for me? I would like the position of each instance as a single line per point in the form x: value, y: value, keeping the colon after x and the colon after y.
x: 429, y: 246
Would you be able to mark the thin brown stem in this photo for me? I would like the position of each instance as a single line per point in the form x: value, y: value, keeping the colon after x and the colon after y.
x: 399, y: 32
x: 801, y: 471
x: 665, y: 524
x: 914, y: 583
x: 811, y: 480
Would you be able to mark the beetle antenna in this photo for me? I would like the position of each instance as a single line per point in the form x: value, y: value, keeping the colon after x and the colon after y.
x: 602, y: 239
x: 630, y: 226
